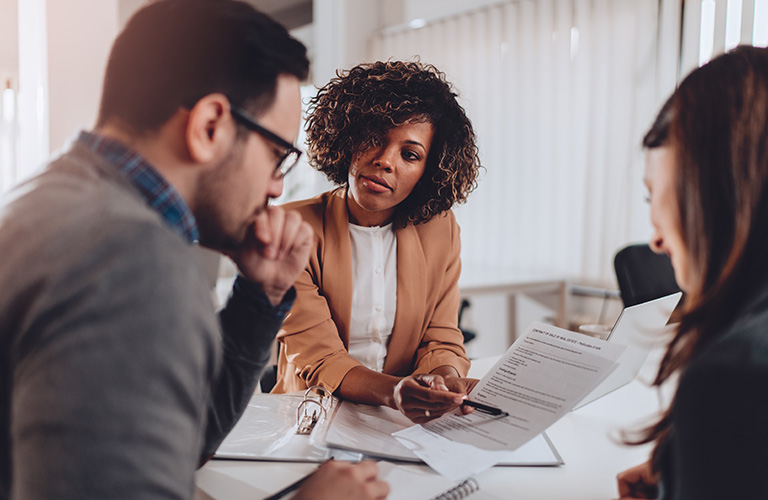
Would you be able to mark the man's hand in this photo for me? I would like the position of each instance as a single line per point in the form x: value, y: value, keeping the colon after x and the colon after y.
x: 276, y: 252
x: 334, y: 480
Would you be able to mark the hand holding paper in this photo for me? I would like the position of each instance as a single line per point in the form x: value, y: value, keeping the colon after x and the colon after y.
x: 424, y: 397
x: 542, y: 375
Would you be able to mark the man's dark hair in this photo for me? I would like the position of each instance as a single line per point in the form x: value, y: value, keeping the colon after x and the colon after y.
x: 174, y: 52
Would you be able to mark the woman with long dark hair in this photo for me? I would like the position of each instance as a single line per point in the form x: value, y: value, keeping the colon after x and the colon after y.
x: 707, y: 177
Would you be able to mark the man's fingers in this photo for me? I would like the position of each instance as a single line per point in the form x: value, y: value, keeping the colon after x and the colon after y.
x: 276, y: 223
x: 268, y: 229
x: 291, y: 226
x: 262, y: 229
x: 367, y: 469
x: 304, y: 238
x: 378, y: 490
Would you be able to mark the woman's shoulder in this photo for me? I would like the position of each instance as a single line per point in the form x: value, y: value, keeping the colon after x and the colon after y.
x: 313, y: 209
x: 743, y: 347
x: 439, y: 237
x: 750, y: 330
x: 439, y: 224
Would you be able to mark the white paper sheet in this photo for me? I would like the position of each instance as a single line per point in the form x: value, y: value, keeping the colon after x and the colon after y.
x: 540, y: 378
x: 368, y: 429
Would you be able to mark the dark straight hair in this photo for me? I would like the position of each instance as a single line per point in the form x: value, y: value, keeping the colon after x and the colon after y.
x: 716, y: 124
x: 174, y: 52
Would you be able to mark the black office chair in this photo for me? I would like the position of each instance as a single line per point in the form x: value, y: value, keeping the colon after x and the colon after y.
x: 268, y: 378
x: 643, y: 275
x: 467, y: 334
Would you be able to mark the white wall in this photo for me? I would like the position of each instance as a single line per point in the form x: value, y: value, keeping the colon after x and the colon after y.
x: 80, y: 35
x: 9, y: 41
x: 126, y: 8
x: 77, y: 35
x: 433, y: 9
x: 342, y: 29
x: 33, y: 124
x: 9, y: 76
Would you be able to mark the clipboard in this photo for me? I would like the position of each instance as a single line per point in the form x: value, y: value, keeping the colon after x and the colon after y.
x: 284, y: 428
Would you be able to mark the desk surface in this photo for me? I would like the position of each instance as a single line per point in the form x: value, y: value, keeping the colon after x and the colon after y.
x: 587, y: 439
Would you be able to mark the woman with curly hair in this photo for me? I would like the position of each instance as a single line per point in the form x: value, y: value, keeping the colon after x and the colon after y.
x: 375, y: 319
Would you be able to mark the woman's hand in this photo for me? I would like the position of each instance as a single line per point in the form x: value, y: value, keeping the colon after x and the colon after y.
x: 463, y: 386
x: 426, y: 396
x: 639, y: 482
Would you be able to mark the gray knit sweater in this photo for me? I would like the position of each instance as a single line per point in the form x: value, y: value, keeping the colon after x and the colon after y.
x: 116, y: 375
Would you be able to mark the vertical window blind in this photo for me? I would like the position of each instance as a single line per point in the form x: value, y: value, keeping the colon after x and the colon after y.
x: 560, y: 93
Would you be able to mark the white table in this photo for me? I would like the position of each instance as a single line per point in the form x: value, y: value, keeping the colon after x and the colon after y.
x: 587, y: 440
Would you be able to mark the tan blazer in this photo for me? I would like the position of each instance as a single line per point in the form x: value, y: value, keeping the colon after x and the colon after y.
x: 425, y: 335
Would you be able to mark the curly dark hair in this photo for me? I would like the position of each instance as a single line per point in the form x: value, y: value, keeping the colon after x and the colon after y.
x: 355, y: 110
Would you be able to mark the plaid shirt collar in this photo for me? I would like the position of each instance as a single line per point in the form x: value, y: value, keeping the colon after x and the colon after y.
x: 156, y: 191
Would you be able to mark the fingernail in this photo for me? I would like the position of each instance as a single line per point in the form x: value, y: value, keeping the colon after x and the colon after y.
x: 458, y: 401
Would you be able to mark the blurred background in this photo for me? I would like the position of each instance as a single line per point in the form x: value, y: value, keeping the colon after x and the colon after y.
x: 560, y: 93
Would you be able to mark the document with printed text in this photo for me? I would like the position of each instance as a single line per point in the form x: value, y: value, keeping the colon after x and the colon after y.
x: 539, y: 379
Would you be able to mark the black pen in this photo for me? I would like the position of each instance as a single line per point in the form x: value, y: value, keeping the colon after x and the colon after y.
x: 293, y: 486
x: 490, y: 410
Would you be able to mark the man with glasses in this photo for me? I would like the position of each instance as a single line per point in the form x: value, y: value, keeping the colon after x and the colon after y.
x: 290, y: 154
x: 117, y: 378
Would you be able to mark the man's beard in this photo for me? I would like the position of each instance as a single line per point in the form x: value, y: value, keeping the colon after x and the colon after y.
x: 212, y: 236
x: 218, y: 231
x: 215, y: 235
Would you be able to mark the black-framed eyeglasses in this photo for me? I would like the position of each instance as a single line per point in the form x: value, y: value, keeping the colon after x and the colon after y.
x: 291, y: 154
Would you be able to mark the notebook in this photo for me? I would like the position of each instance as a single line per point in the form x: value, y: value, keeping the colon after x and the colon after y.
x: 230, y: 481
x: 638, y: 328
x: 422, y: 483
